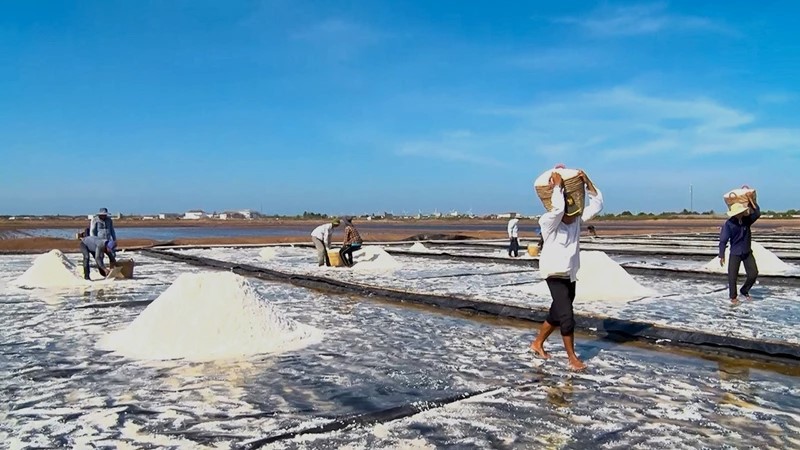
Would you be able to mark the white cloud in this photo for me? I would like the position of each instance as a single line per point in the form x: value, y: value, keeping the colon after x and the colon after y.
x: 621, y: 123
x: 640, y: 19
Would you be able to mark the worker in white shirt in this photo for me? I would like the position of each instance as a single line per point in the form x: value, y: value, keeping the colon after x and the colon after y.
x: 321, y: 237
x: 513, y: 236
x: 559, y: 262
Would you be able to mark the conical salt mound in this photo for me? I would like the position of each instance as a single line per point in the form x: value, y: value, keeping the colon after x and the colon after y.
x: 768, y: 263
x: 600, y: 279
x: 374, y: 258
x: 268, y: 253
x: 208, y: 316
x: 51, y: 270
x: 419, y: 247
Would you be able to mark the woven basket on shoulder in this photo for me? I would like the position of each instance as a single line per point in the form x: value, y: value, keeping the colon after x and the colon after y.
x: 739, y: 196
x: 573, y: 186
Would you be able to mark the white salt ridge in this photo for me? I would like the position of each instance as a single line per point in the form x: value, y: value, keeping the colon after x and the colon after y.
x: 52, y: 270
x: 767, y: 262
x: 599, y: 279
x: 209, y: 316
x: 419, y: 247
x: 374, y: 258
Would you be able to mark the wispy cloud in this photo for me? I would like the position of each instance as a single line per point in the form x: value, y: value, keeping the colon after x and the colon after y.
x: 338, y: 37
x: 457, y: 146
x: 564, y: 58
x: 641, y: 19
x: 622, y: 123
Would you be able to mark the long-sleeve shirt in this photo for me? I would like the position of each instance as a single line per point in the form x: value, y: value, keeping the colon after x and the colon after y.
x: 560, y: 254
x: 351, y: 235
x: 513, y: 228
x: 323, y: 233
x: 102, y: 228
x: 737, y: 231
x: 96, y: 246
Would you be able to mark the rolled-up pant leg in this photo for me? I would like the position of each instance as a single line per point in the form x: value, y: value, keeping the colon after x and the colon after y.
x: 561, y: 314
x: 751, y: 269
x: 322, y: 252
x: 734, y: 261
x: 86, y: 255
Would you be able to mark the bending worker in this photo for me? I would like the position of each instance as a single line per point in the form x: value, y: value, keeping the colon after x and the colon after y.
x: 352, y: 242
x: 513, y: 236
x: 560, y: 260
x: 737, y: 230
x: 93, y: 245
x: 102, y: 226
x: 321, y: 237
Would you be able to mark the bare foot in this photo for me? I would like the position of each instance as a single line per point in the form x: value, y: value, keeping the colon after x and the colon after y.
x: 747, y: 297
x: 538, y: 349
x: 735, y: 300
x: 576, y: 365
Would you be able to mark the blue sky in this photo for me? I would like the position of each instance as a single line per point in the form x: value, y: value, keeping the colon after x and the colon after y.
x: 363, y: 106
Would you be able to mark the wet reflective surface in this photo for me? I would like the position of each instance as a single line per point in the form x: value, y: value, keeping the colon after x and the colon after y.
x: 57, y: 390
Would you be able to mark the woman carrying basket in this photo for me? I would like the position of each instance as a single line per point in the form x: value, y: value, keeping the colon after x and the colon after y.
x: 560, y: 260
x: 352, y: 242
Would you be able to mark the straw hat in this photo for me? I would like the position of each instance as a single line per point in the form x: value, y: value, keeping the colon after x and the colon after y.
x: 736, y: 209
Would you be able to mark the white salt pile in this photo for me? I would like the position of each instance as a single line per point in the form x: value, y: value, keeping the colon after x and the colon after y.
x: 600, y: 279
x: 372, y: 257
x: 209, y: 316
x: 268, y: 253
x: 768, y: 263
x: 52, y: 270
x: 419, y: 247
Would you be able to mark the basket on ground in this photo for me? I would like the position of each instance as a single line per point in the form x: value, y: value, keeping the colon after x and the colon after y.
x: 533, y: 249
x: 573, y: 184
x: 739, y: 196
x: 335, y: 259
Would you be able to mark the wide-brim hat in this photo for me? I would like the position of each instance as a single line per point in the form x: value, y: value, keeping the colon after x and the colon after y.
x: 736, y: 209
x: 103, y: 211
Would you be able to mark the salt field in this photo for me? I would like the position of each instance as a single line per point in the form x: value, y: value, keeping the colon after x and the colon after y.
x: 62, y: 386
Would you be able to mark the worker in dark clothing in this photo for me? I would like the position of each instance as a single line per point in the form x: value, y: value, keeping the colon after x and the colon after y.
x: 352, y: 242
x: 93, y: 245
x: 737, y: 230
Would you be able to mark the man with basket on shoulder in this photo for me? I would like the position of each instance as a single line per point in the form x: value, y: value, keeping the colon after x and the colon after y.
x: 736, y: 229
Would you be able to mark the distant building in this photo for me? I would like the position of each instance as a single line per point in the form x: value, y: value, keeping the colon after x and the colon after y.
x: 148, y: 218
x: 223, y: 216
x: 195, y: 214
x: 162, y: 216
x: 506, y: 215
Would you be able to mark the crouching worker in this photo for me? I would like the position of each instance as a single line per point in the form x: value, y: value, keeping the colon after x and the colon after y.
x: 352, y: 242
x: 99, y: 247
x: 321, y: 237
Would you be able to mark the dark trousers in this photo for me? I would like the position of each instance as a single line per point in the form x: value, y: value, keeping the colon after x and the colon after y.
x: 561, y: 315
x: 86, y: 254
x: 513, y: 247
x: 750, y: 268
x: 346, y: 253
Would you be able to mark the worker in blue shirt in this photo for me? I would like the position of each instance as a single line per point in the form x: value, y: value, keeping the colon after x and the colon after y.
x: 737, y: 230
x: 98, y: 247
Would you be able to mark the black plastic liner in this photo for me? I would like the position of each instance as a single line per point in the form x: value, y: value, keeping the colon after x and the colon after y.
x: 783, y: 280
x: 619, y: 329
x: 383, y: 416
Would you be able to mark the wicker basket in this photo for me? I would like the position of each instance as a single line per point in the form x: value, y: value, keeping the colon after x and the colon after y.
x: 335, y: 259
x: 739, y: 196
x: 533, y: 249
x: 127, y: 267
x: 573, y: 184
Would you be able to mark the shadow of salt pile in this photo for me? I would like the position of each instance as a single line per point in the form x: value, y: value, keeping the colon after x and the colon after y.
x: 600, y: 279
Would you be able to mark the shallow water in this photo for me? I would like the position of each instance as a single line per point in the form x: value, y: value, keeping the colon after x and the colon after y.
x: 684, y: 303
x: 56, y: 389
